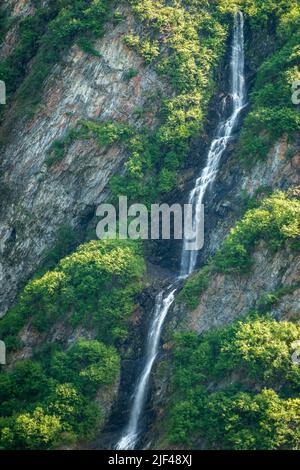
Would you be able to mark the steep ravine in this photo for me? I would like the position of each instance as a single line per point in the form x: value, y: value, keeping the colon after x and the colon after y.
x: 229, y: 297
x: 39, y: 200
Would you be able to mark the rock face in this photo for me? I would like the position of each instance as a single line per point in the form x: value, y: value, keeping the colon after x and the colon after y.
x: 42, y: 199
x: 225, y: 205
x: 230, y: 296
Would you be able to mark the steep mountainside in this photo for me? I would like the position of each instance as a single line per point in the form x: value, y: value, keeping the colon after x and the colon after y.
x: 44, y: 195
x: 110, y: 98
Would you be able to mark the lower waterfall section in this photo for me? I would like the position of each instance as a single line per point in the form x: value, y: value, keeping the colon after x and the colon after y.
x: 163, y: 303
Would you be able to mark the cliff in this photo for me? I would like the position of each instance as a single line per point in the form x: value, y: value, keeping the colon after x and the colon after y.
x: 39, y: 199
x: 110, y: 99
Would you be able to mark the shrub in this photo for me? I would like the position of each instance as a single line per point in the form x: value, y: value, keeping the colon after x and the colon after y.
x: 87, y: 364
x: 36, y: 430
x: 274, y: 221
x: 79, y: 290
x: 236, y: 387
x: 244, y: 421
x: 131, y: 73
x: 53, y: 399
x: 193, y: 288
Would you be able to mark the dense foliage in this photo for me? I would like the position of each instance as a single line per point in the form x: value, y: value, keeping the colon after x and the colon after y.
x: 194, y: 287
x: 276, y: 220
x: 183, y: 41
x: 236, y: 387
x: 46, y: 401
x: 94, y: 287
x: 272, y: 113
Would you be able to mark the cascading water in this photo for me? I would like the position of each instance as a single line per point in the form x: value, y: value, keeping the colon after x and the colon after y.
x: 166, y: 298
x: 219, y: 144
x: 162, y: 305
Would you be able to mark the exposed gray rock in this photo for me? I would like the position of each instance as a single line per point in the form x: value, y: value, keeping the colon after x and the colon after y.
x: 224, y: 205
x: 230, y: 296
x: 42, y: 199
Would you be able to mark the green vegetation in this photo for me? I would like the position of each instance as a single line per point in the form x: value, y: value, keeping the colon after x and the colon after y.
x: 67, y: 241
x: 51, y: 395
x: 268, y: 300
x: 275, y: 221
x: 104, y: 134
x: 193, y: 288
x: 4, y: 24
x: 94, y: 287
x: 236, y: 387
x: 43, y: 38
x: 194, y: 33
x: 184, y: 41
x: 195, y: 38
x: 272, y: 112
x: 87, y: 46
x: 131, y: 73
x: 48, y: 402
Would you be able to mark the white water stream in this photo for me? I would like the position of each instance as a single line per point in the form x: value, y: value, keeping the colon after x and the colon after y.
x: 165, y: 299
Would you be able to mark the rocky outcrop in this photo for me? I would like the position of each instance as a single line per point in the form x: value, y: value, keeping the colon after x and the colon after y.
x: 236, y: 182
x: 16, y: 10
x: 38, y: 200
x: 231, y: 296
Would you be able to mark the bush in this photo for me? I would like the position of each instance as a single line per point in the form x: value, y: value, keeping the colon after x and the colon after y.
x: 245, y: 421
x: 131, y: 73
x: 48, y: 403
x: 236, y: 387
x: 36, y: 430
x: 79, y: 290
x: 87, y: 364
x: 193, y: 288
x: 275, y: 221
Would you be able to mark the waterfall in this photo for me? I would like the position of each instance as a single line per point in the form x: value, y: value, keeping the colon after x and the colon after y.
x: 219, y: 144
x: 162, y: 306
x: 165, y: 299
